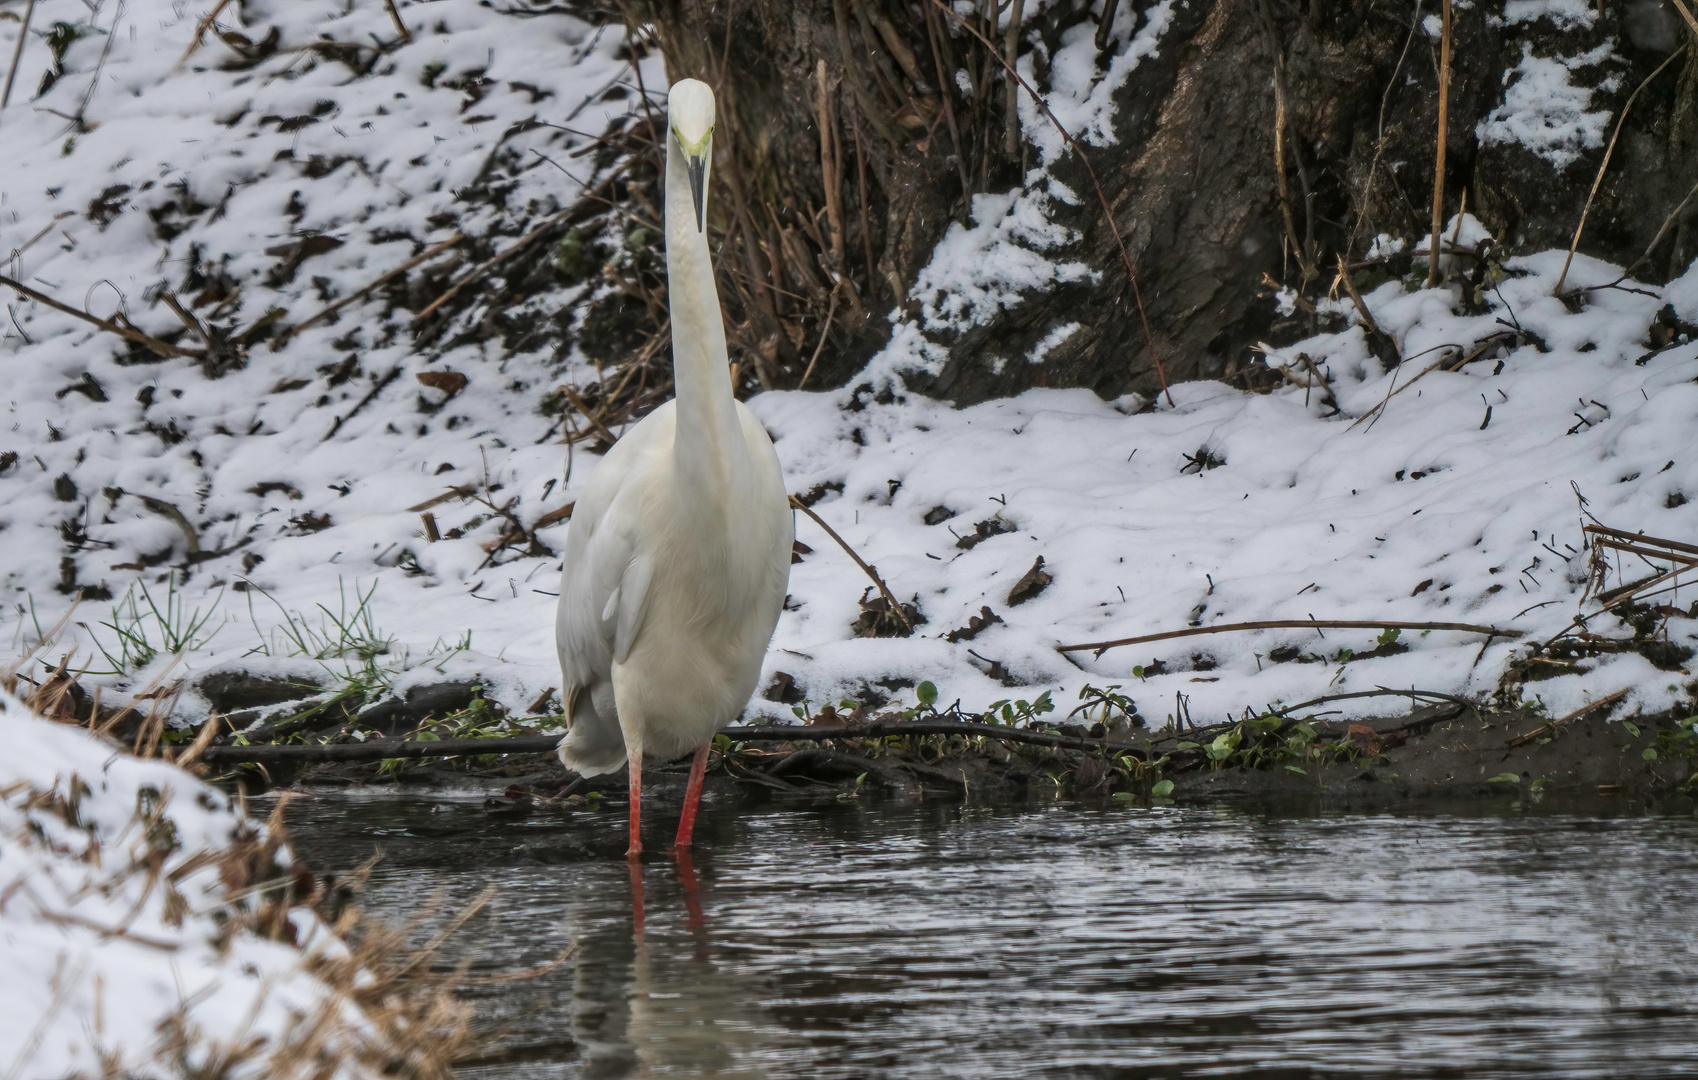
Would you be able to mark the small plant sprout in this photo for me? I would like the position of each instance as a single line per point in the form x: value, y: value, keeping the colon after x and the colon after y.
x: 926, y: 695
x: 142, y: 629
x: 1016, y: 712
x: 1101, y: 705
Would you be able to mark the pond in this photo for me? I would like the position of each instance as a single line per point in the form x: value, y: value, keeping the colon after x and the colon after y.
x: 856, y: 940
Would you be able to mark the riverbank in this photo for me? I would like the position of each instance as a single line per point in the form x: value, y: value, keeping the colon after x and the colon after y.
x: 1447, y: 751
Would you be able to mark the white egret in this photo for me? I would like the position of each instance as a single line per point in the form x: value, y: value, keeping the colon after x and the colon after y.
x: 678, y: 553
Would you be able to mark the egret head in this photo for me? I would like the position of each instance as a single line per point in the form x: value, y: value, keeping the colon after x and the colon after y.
x: 689, y: 112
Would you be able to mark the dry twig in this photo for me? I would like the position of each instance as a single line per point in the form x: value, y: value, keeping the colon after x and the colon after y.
x: 1545, y: 729
x: 1291, y: 624
x: 400, y: 27
x: 17, y: 54
x: 1598, y: 180
x: 117, y: 324
x: 868, y: 569
x: 201, y: 29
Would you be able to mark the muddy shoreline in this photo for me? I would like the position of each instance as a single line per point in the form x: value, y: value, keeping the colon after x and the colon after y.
x: 1448, y: 753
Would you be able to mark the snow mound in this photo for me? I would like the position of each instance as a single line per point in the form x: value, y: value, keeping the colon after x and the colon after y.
x: 145, y: 926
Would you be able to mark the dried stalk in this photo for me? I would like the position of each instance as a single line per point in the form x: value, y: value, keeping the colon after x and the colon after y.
x: 831, y: 168
x: 579, y: 404
x: 1598, y: 180
x: 1281, y: 126
x: 1011, y: 53
x: 1380, y: 131
x: 17, y: 54
x: 124, y: 329
x: 1609, y: 533
x: 830, y: 312
x: 1686, y: 13
x: 1291, y: 624
x: 1349, y: 284
x: 400, y: 27
x: 201, y: 29
x: 1438, y: 165
x: 1545, y: 729
x: 869, y: 570
x: 945, y: 89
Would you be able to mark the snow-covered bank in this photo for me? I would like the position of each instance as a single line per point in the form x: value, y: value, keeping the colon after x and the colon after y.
x: 251, y: 179
x: 1456, y: 502
x: 146, y: 926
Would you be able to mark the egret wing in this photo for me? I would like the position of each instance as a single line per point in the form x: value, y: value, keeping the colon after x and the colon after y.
x: 604, y: 587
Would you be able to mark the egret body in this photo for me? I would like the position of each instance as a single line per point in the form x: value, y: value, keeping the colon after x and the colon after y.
x: 678, y: 553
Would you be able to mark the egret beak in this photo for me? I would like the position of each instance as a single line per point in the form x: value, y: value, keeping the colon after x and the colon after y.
x: 697, y: 168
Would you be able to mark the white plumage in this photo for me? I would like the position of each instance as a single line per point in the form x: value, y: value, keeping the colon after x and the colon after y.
x: 678, y: 553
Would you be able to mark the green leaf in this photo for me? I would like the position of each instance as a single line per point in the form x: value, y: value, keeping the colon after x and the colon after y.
x: 1185, y: 746
x: 1632, y: 728
x: 427, y: 736
x: 1299, y: 770
x: 1138, y: 671
x: 1650, y: 753
x: 1389, y: 635
x: 1162, y: 789
x: 1504, y: 778
x: 926, y: 692
x: 1125, y: 797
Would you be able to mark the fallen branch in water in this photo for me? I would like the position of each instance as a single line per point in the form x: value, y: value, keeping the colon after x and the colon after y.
x: 377, y: 750
x: 1291, y: 624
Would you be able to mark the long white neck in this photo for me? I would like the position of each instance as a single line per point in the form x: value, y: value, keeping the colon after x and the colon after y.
x: 707, y: 417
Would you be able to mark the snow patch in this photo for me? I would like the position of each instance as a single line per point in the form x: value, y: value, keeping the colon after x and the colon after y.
x: 1545, y: 111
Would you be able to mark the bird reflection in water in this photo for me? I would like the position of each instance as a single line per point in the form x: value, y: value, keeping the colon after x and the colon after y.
x: 646, y: 1006
x: 693, y: 917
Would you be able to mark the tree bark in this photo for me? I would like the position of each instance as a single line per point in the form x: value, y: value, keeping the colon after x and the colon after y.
x: 857, y: 131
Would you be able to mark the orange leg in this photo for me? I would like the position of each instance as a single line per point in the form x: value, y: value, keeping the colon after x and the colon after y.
x: 636, y: 773
x: 692, y: 797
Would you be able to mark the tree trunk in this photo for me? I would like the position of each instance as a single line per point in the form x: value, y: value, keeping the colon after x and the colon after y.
x: 1262, y: 141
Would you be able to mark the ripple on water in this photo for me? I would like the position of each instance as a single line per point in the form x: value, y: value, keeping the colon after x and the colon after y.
x: 943, y: 941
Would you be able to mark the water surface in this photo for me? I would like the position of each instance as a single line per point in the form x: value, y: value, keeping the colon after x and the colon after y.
x: 852, y: 940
